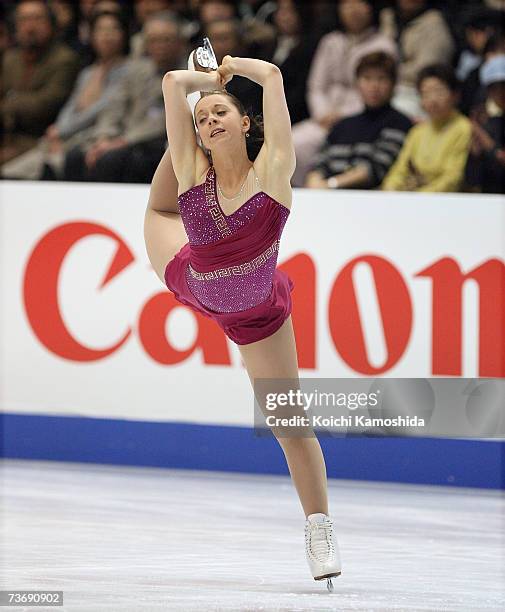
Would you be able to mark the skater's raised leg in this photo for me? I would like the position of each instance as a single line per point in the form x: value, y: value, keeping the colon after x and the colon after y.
x: 164, y: 231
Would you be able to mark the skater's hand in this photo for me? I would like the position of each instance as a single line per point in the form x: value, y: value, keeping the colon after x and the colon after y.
x: 217, y: 79
x: 226, y: 70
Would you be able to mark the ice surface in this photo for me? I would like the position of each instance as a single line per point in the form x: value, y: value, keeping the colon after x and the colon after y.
x: 122, y: 538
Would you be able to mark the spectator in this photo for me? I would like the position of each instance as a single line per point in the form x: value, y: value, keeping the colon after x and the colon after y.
x: 474, y: 94
x: 143, y: 10
x: 66, y: 17
x: 478, y: 28
x: 227, y: 36
x: 92, y: 92
x: 332, y: 93
x: 208, y: 11
x: 37, y: 77
x: 292, y: 50
x: 434, y: 155
x: 485, y: 171
x: 423, y: 39
x: 212, y: 10
x: 87, y: 10
x: 260, y: 10
x: 129, y: 137
x: 360, y: 149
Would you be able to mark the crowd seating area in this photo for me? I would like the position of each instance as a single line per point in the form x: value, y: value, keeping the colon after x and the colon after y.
x: 403, y: 95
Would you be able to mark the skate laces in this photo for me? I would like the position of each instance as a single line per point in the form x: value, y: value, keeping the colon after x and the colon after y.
x: 318, y: 539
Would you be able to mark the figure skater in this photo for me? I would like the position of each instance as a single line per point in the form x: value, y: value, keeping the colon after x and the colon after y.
x: 212, y: 228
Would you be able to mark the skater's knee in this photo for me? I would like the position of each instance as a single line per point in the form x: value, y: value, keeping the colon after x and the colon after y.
x: 293, y: 441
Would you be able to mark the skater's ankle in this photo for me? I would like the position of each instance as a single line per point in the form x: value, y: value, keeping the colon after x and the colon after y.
x: 317, y: 515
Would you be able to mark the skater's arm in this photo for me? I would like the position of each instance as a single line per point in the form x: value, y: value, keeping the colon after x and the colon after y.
x: 177, y: 84
x: 278, y: 145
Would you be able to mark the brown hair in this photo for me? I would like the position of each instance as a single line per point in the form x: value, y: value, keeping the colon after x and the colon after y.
x: 256, y: 134
x: 379, y: 60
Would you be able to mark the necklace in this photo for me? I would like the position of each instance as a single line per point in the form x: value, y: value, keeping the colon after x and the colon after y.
x: 238, y: 194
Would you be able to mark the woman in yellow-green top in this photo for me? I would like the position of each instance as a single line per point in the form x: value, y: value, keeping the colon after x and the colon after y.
x: 434, y: 154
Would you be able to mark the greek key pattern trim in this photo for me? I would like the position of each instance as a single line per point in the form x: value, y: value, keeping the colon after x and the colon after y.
x: 214, y: 210
x: 245, y: 268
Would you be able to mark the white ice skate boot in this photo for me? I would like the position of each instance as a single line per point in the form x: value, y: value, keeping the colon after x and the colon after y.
x: 321, y: 548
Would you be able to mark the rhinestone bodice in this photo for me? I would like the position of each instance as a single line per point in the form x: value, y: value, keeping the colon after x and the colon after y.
x: 229, y: 288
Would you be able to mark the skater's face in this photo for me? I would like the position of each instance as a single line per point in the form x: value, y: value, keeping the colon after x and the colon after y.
x: 219, y: 122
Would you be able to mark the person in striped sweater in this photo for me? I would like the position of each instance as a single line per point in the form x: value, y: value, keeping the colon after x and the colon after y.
x: 360, y: 149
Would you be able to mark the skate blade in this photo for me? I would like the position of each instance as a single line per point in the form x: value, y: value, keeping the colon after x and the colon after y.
x: 325, y: 576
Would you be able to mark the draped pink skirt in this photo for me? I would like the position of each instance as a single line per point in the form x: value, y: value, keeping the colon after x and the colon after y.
x: 242, y: 327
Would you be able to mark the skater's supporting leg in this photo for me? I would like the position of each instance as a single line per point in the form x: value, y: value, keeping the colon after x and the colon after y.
x: 275, y: 358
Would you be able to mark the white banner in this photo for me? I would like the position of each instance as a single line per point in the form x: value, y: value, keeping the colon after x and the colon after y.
x: 386, y: 284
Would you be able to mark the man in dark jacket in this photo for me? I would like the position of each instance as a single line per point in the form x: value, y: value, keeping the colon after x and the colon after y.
x: 37, y: 77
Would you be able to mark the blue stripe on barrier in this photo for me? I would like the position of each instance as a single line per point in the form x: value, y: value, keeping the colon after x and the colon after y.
x: 467, y: 463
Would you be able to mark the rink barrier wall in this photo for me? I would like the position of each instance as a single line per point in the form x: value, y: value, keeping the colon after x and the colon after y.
x: 435, y: 461
x: 98, y: 361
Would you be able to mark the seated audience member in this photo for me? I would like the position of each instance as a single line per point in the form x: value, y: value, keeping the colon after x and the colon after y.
x: 478, y: 26
x: 474, y: 94
x: 485, y: 170
x: 87, y: 10
x: 66, y: 18
x: 227, y: 38
x: 255, y: 33
x: 360, y: 149
x: 331, y: 87
x: 92, y: 92
x: 129, y: 139
x: 423, y: 39
x: 292, y: 51
x: 143, y: 10
x: 434, y: 155
x: 37, y: 78
x: 207, y: 11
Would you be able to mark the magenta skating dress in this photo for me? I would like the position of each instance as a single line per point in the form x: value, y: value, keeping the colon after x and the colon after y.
x: 227, y: 271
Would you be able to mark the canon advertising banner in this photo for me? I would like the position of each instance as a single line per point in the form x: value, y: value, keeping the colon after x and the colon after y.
x: 387, y: 285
